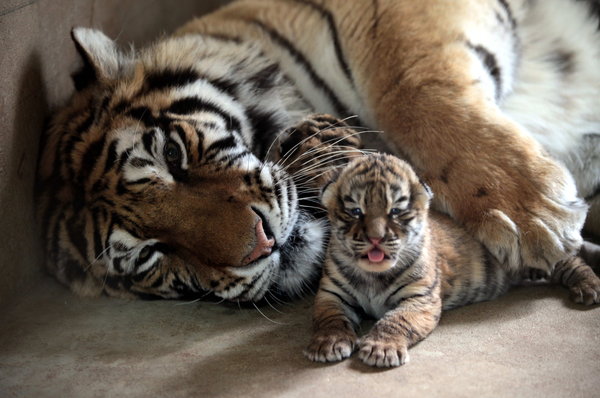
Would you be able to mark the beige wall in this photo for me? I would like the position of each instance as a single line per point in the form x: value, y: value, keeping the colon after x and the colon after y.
x: 36, y: 60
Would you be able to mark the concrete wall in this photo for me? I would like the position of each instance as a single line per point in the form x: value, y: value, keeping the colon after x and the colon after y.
x: 36, y: 60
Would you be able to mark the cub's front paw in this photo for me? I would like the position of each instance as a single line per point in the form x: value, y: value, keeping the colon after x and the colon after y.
x: 381, y: 353
x: 330, y: 346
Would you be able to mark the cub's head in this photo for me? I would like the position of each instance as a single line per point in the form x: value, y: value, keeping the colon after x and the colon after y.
x: 151, y: 181
x: 378, y: 208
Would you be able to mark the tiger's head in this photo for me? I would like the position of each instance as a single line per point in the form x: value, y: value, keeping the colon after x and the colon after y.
x: 153, y: 182
x: 378, y: 210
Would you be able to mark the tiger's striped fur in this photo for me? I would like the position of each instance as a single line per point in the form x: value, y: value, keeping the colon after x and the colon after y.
x: 392, y: 258
x: 449, y: 82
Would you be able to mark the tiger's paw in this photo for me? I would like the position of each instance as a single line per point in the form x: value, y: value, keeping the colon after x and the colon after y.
x: 316, y: 145
x: 330, y: 346
x: 527, y: 215
x: 383, y: 354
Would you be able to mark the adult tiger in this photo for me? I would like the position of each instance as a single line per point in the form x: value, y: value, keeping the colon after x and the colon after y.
x: 154, y: 179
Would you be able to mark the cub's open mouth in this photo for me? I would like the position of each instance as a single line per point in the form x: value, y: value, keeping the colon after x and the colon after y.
x: 375, y: 255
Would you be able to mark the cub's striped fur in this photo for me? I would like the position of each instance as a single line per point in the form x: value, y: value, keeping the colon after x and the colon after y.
x: 392, y: 258
x: 158, y: 178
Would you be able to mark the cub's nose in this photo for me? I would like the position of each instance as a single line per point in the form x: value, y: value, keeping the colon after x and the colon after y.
x: 264, y: 244
x: 375, y: 241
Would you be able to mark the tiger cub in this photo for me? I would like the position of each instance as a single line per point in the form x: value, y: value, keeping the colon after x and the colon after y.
x: 394, y: 259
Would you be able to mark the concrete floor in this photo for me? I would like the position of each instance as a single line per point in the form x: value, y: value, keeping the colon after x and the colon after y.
x: 530, y: 343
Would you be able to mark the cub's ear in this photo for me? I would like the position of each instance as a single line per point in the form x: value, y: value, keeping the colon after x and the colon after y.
x: 427, y: 189
x: 102, y: 60
x: 421, y: 194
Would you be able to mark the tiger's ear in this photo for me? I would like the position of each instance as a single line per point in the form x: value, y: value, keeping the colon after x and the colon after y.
x: 102, y: 60
x: 328, y: 190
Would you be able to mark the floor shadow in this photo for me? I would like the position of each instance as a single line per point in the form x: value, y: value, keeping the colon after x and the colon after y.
x: 21, y: 248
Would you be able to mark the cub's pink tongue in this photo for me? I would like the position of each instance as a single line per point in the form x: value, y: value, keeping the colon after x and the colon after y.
x: 375, y: 255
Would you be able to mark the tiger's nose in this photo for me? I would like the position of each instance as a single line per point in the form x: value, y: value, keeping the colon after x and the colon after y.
x: 264, y: 245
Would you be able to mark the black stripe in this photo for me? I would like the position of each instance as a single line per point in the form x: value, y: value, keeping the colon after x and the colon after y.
x: 229, y: 87
x: 67, y: 149
x: 111, y: 156
x: 98, y: 248
x: 509, y: 14
x: 343, y: 287
x: 90, y: 158
x: 266, y: 78
x: 265, y: 128
x: 188, y: 105
x: 147, y: 273
x: 76, y: 231
x: 123, y: 159
x: 181, y: 133
x: 255, y: 279
x: 491, y: 64
x: 235, y: 158
x: 326, y: 14
x: 169, y: 78
x: 140, y: 181
x: 143, y: 114
x: 148, y: 141
x: 342, y: 300
x: 594, y: 9
x: 219, y: 145
x: 140, y: 162
x: 340, y: 109
x: 117, y: 264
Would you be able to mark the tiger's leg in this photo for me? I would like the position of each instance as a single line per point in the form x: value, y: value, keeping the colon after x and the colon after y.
x: 319, y: 143
x: 387, y: 343
x: 334, y: 336
x: 435, y: 92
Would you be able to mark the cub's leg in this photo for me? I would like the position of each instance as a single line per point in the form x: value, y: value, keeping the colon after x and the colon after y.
x: 434, y: 88
x: 387, y: 343
x: 580, y: 279
x: 334, y: 336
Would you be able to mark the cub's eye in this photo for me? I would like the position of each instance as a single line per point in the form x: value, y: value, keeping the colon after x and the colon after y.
x: 172, y: 153
x: 395, y: 212
x: 355, y: 212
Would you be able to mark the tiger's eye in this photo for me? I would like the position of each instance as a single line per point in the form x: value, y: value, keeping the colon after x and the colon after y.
x: 144, y: 253
x: 395, y: 211
x: 172, y: 152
